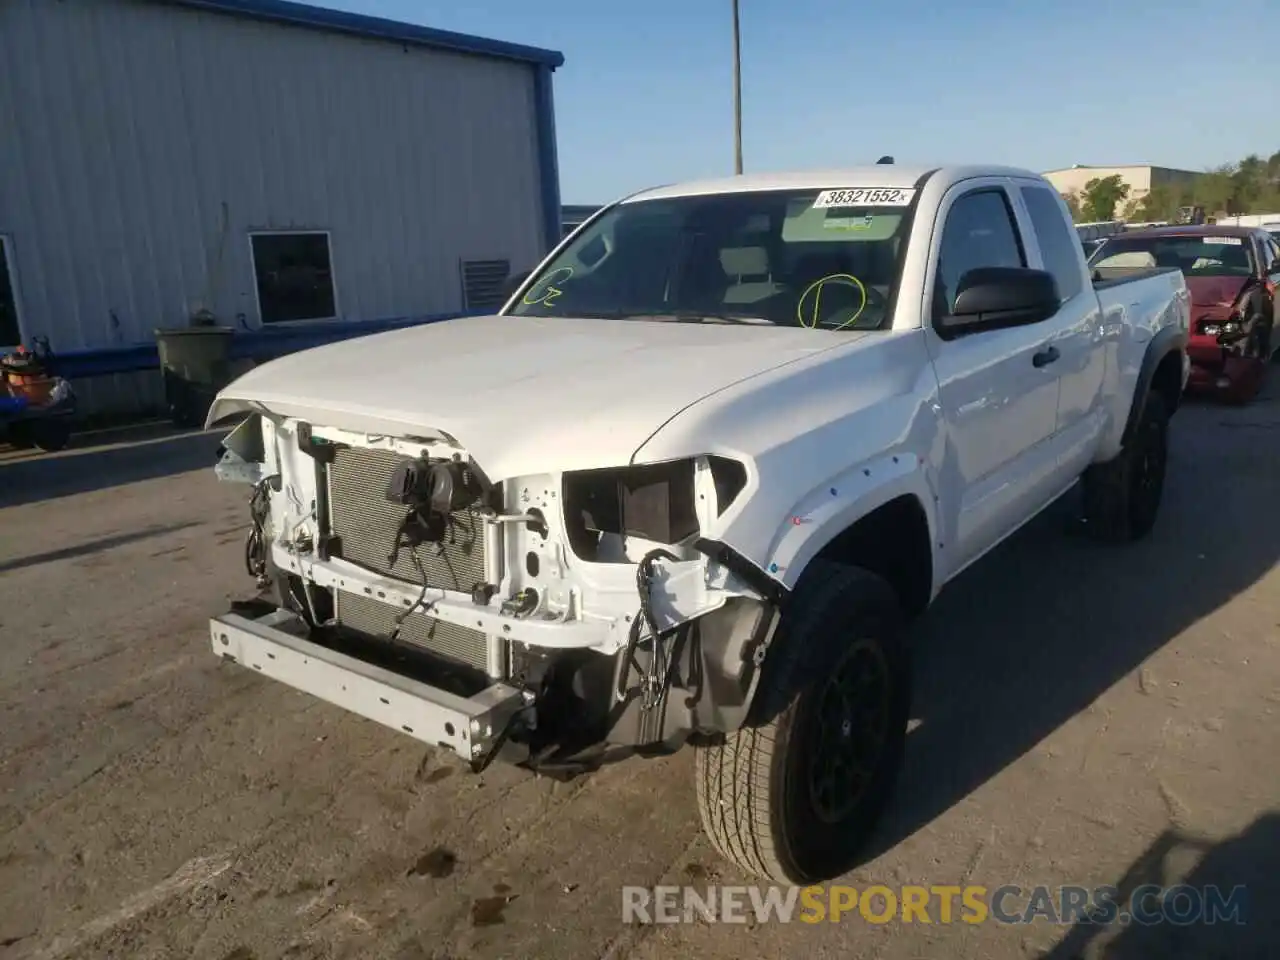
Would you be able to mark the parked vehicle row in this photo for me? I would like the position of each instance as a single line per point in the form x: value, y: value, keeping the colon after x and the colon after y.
x: 1092, y: 234
x: 1233, y: 274
x: 695, y: 477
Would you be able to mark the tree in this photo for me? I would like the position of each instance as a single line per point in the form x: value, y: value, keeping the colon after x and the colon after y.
x: 1248, y: 181
x: 1250, y: 185
x: 1072, y: 198
x: 1216, y: 190
x: 1101, y: 197
x: 1160, y: 203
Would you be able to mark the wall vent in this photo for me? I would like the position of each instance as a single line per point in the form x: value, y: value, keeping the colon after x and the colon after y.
x: 482, y: 282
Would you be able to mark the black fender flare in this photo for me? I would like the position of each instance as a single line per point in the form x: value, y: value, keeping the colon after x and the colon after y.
x: 1166, y: 341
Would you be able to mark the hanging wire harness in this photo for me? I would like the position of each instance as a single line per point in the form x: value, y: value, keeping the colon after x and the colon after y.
x: 255, y: 544
x: 654, y: 679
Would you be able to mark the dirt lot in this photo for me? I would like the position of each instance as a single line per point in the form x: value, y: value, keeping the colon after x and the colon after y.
x: 1081, y: 712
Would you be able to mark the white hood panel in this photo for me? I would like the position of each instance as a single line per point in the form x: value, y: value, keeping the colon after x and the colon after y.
x: 523, y: 395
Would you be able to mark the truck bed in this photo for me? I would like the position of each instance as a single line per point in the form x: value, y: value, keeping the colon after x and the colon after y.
x: 1119, y: 276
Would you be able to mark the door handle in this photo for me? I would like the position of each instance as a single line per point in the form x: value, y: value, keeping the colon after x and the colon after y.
x: 1042, y: 358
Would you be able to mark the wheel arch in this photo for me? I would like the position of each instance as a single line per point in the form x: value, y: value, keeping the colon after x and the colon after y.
x: 1161, y: 370
x: 893, y: 541
x: 879, y: 516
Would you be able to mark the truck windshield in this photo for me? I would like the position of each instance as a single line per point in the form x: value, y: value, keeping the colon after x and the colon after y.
x: 823, y: 259
x: 1195, y: 256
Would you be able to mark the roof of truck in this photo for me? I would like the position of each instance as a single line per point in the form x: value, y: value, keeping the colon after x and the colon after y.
x: 874, y: 175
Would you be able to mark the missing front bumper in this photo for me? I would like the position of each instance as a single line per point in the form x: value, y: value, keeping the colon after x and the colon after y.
x: 276, y: 645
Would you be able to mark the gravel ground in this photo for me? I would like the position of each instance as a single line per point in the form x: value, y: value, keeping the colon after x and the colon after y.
x: 1084, y: 715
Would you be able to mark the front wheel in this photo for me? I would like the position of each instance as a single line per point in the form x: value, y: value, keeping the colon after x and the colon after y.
x: 1122, y: 496
x: 793, y: 796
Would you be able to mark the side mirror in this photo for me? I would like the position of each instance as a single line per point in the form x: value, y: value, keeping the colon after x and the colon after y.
x: 993, y: 297
x: 512, y: 283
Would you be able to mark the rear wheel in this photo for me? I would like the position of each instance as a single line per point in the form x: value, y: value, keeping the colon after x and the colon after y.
x: 794, y: 795
x: 1122, y: 497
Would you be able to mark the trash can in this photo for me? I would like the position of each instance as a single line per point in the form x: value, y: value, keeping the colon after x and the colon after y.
x: 196, y: 364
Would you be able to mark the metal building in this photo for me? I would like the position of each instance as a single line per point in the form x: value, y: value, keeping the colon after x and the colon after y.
x: 1140, y: 178
x: 277, y: 164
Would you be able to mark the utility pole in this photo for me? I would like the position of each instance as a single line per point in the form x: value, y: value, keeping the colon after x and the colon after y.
x: 737, y: 95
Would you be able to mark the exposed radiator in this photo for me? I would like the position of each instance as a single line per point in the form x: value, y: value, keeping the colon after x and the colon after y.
x: 366, y: 524
x: 377, y: 619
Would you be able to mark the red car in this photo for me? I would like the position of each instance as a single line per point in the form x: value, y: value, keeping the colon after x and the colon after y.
x: 1232, y: 274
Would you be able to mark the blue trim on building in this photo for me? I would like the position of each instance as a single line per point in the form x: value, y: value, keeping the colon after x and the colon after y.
x: 259, y: 345
x: 548, y: 161
x: 361, y: 25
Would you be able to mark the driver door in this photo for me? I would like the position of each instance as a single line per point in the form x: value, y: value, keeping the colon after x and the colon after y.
x: 998, y: 394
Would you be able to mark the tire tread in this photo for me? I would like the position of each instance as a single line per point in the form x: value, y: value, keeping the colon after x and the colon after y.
x: 737, y: 792
x: 1106, y: 487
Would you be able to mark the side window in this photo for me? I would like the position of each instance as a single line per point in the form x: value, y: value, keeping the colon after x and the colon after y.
x: 980, y: 232
x: 1057, y: 240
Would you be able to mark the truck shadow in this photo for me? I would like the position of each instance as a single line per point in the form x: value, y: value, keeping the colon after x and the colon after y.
x: 1037, y: 630
x: 91, y: 547
x: 157, y: 452
x: 1233, y: 885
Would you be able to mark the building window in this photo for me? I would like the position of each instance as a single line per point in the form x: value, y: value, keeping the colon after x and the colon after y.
x: 10, y: 330
x: 482, y: 282
x: 294, y: 276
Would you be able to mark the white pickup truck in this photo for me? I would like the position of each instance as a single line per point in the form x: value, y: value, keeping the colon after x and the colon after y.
x: 692, y: 480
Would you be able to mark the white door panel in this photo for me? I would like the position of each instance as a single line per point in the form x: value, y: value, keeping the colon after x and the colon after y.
x: 999, y: 399
x: 1077, y: 328
x: 999, y: 408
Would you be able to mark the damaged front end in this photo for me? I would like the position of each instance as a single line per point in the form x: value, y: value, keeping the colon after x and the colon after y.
x: 557, y: 620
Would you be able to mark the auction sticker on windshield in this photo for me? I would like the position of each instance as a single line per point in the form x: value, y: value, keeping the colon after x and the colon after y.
x: 1228, y: 241
x: 866, y: 197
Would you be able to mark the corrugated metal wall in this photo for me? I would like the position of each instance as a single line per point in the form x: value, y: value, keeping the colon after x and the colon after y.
x: 140, y: 143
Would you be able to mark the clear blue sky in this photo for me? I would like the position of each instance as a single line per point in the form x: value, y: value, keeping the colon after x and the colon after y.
x: 645, y: 95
